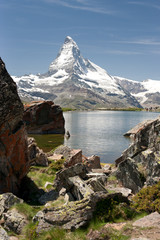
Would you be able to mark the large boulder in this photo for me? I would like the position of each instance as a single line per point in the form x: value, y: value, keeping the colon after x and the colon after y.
x: 139, y: 164
x: 14, y: 221
x: 62, y: 176
x: 75, y: 214
x: 129, y: 176
x: 14, y: 162
x: 44, y: 117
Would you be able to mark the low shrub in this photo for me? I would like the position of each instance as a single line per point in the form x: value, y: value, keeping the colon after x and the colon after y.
x: 148, y: 199
x: 112, y: 210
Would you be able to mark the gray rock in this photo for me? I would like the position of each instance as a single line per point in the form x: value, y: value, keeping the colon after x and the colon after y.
x: 152, y: 220
x: 62, y: 176
x: 62, y: 192
x: 68, y: 197
x: 141, y: 238
x: 96, y: 185
x: 78, y: 188
x: 125, y: 191
x: 7, y: 200
x: 63, y: 150
x: 93, y: 162
x: 14, y: 221
x: 73, y: 215
x: 3, y: 234
x: 101, y: 177
x: 129, y: 176
x: 36, y: 155
x: 74, y: 157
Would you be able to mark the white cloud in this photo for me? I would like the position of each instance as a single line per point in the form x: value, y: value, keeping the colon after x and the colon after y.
x: 145, y: 4
x: 141, y: 42
x: 121, y: 52
x: 82, y: 5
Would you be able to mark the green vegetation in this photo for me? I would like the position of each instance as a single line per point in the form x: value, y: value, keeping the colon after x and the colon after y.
x: 41, y: 175
x: 148, y: 199
x: 128, y: 109
x: 28, y: 210
x: 67, y: 109
x: 114, y: 212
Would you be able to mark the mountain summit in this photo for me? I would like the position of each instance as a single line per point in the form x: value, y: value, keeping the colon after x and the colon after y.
x: 68, y: 58
x: 76, y: 82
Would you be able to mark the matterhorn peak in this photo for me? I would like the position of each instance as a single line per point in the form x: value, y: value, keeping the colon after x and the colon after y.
x: 68, y: 39
x: 68, y: 58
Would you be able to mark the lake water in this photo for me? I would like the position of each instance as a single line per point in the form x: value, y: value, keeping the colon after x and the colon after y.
x: 101, y: 132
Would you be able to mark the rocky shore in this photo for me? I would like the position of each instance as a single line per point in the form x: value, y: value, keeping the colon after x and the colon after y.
x: 55, y: 195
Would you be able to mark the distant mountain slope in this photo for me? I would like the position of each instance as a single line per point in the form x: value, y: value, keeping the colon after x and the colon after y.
x: 73, y: 81
x: 146, y: 92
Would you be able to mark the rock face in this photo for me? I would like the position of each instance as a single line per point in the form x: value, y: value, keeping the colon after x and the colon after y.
x: 129, y: 175
x: 14, y: 163
x: 44, y: 117
x: 144, y: 154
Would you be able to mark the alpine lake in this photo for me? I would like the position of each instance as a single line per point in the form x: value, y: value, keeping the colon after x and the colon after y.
x: 96, y: 132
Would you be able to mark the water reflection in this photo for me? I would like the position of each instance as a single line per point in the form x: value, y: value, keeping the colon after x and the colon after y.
x: 47, y: 142
x: 101, y: 132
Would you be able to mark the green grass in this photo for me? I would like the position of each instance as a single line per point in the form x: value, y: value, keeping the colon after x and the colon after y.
x: 28, y: 210
x: 40, y: 178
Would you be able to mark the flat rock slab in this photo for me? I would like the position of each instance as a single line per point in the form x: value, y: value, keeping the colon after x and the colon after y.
x: 138, y: 127
x: 152, y: 220
x: 116, y: 226
x: 140, y: 238
x: 55, y: 157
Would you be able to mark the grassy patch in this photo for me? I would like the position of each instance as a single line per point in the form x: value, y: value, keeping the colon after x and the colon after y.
x: 28, y: 210
x: 40, y: 178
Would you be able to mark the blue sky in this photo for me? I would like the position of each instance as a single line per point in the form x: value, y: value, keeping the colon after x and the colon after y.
x: 121, y: 36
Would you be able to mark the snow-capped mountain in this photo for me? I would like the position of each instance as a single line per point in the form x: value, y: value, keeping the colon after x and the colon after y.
x: 146, y: 92
x: 73, y: 81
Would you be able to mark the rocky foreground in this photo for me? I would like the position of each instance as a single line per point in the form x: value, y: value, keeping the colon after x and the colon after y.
x: 50, y: 196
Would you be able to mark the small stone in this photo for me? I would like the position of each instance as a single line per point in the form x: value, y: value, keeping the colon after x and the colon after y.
x: 47, y: 184
x: 68, y: 197
x: 116, y: 226
x: 62, y: 192
x: 3, y: 234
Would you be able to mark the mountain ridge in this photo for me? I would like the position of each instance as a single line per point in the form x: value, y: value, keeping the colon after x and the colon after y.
x: 74, y: 81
